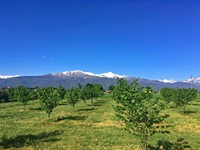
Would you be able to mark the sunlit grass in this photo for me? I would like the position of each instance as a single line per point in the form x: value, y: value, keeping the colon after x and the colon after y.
x: 89, y: 127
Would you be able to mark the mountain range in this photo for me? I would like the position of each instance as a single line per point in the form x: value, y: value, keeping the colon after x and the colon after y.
x: 72, y: 78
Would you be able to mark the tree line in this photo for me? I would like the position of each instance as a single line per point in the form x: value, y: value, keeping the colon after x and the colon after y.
x: 181, y: 97
x: 50, y: 97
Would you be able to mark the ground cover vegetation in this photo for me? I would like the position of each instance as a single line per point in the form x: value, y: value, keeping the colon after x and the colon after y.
x: 99, y: 118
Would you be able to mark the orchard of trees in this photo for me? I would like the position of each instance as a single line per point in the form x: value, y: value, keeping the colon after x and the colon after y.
x: 50, y: 97
x: 135, y: 104
x: 140, y: 112
x: 181, y: 97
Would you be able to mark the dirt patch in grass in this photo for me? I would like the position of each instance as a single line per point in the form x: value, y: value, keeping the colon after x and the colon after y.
x: 109, y: 123
x: 189, y: 128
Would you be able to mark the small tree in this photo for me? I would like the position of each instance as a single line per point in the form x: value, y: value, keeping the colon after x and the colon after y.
x: 111, y: 88
x: 87, y: 93
x: 3, y: 95
x: 148, y: 91
x: 184, y: 96
x: 138, y: 113
x: 62, y: 91
x: 168, y: 94
x: 21, y: 94
x: 73, y: 96
x: 33, y: 94
x: 98, y: 91
x: 49, y: 99
x: 11, y: 94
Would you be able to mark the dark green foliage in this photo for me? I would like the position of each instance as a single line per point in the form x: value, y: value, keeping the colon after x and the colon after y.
x: 62, y: 91
x: 168, y: 94
x: 73, y: 96
x: 3, y: 95
x: 184, y: 96
x: 180, y: 96
x: 111, y: 88
x: 87, y: 93
x: 180, y: 144
x: 98, y: 91
x: 148, y: 92
x: 33, y: 94
x: 11, y: 94
x: 80, y: 86
x: 136, y: 110
x: 21, y: 94
x: 49, y: 99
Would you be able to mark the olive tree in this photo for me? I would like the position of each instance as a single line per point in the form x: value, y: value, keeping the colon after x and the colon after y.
x: 136, y: 110
x: 49, y: 99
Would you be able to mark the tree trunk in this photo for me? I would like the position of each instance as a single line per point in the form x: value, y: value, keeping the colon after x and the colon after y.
x: 184, y: 108
x: 84, y: 103
x: 92, y: 101
x: 49, y: 115
x: 73, y: 107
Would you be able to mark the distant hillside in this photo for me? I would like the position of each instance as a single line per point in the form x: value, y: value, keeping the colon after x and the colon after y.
x: 71, y: 79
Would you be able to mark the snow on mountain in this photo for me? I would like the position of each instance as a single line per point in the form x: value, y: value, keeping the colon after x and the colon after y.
x: 81, y: 73
x: 193, y: 80
x: 110, y: 75
x: 168, y: 81
x: 8, y: 76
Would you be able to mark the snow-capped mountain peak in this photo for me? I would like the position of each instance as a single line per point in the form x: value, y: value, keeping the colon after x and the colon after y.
x: 80, y: 73
x: 110, y: 75
x: 193, y: 80
x: 168, y: 81
x: 8, y: 76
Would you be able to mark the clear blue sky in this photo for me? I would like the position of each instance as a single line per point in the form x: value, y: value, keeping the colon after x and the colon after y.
x: 141, y: 38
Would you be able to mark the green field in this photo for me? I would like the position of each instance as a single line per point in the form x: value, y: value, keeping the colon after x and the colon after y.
x: 89, y: 127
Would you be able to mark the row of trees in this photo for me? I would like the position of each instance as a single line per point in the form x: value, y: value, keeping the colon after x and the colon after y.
x: 140, y: 112
x: 181, y: 97
x: 136, y: 108
x: 50, y: 97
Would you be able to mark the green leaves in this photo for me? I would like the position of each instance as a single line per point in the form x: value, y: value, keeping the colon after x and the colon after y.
x: 73, y: 96
x: 184, y: 96
x: 21, y: 94
x: 49, y: 98
x: 180, y: 96
x: 136, y: 108
x: 168, y: 94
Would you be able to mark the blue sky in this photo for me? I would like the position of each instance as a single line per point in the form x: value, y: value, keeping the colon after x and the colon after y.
x: 148, y: 39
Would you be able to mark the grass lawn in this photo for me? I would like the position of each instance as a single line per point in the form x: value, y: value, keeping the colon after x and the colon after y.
x: 89, y: 127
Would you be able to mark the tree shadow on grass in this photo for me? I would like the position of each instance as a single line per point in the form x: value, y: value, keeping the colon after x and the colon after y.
x: 180, y: 144
x: 71, y: 118
x: 4, y: 116
x: 195, y: 104
x: 39, y: 108
x: 85, y: 109
x: 29, y: 139
x: 187, y: 112
x: 63, y: 103
x: 99, y: 103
